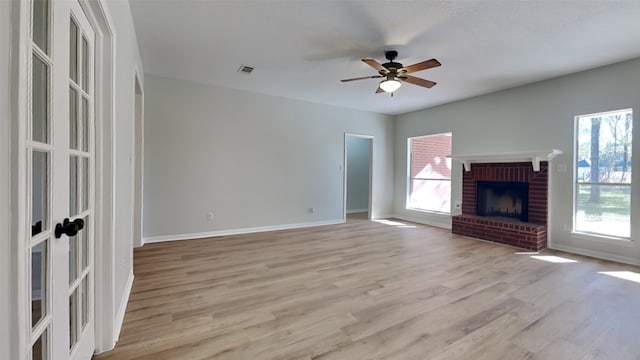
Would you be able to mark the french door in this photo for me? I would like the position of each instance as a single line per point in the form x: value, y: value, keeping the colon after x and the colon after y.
x: 60, y: 162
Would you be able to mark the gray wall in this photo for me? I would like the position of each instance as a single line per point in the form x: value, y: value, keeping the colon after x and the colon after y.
x: 255, y: 161
x: 358, y: 163
x: 533, y: 117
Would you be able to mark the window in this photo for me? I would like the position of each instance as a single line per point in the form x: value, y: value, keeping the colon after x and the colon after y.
x: 603, y: 173
x: 430, y: 173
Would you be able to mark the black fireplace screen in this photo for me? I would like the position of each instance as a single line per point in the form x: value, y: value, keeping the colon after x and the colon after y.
x: 503, y: 199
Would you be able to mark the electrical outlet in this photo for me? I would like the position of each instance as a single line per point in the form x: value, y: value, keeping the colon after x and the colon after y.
x: 210, y: 216
x: 457, y: 208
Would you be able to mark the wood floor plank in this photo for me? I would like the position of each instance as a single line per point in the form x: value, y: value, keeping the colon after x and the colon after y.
x: 370, y: 290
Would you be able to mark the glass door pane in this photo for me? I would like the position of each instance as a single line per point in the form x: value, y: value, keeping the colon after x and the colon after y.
x: 85, y: 64
x: 40, y: 100
x: 73, y: 319
x: 73, y: 118
x: 39, y: 192
x: 73, y: 186
x: 84, y: 173
x: 84, y: 245
x: 73, y: 52
x: 39, y: 349
x: 41, y: 24
x: 39, y: 275
x: 73, y: 254
x: 85, y: 124
x: 84, y: 303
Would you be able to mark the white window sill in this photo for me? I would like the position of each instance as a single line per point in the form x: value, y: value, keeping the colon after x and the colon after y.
x: 602, y: 238
x: 429, y: 211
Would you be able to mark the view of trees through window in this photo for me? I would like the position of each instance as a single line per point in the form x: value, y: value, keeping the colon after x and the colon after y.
x: 603, y: 169
x: 430, y: 173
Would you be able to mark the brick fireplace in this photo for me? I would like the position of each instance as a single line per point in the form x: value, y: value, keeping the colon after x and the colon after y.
x: 530, y: 234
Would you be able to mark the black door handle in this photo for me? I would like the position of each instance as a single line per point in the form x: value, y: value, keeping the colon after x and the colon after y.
x: 69, y: 228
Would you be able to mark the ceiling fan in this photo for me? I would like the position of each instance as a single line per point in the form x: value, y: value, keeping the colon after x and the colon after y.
x: 393, y: 73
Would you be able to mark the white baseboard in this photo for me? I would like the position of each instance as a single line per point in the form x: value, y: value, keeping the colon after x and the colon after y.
x: 123, y: 307
x: 352, y: 211
x: 201, y: 235
x: 595, y: 254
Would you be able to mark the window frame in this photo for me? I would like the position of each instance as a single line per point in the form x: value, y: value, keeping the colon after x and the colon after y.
x: 576, y: 180
x: 410, y: 179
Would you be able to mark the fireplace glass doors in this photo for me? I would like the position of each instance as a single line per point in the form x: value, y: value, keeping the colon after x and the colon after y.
x: 503, y: 199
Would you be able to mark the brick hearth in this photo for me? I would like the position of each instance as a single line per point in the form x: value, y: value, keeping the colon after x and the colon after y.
x: 529, y: 235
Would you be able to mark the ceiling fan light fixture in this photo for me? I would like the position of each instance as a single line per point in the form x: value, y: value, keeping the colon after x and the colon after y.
x: 390, y: 85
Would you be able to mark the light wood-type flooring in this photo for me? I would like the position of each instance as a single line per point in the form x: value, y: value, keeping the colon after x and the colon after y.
x: 375, y: 290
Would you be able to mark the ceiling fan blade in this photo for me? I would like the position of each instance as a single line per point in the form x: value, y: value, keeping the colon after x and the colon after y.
x: 376, y: 65
x: 379, y: 90
x: 420, y: 66
x: 417, y: 81
x: 362, y: 78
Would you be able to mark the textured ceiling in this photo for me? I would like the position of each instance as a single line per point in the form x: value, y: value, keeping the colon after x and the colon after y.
x: 301, y: 49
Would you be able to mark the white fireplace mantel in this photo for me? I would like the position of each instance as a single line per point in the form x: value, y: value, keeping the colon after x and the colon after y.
x: 508, y: 157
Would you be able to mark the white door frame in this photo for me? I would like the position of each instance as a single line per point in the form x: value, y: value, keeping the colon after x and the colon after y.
x: 101, y: 21
x: 8, y: 247
x: 19, y: 176
x: 344, y: 174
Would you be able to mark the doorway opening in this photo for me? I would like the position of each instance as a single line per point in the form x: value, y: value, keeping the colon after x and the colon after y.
x: 358, y: 160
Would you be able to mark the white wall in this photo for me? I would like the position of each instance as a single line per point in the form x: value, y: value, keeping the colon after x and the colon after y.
x: 7, y: 274
x: 253, y: 160
x: 533, y: 117
x: 126, y: 62
x: 358, y: 161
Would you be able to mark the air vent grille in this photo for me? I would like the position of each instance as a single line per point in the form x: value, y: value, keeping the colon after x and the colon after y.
x: 245, y: 69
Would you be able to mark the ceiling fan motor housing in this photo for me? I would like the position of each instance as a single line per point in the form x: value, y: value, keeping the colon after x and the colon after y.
x: 390, y: 55
x: 392, y: 66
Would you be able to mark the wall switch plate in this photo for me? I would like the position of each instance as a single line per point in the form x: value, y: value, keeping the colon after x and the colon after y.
x: 312, y: 210
x: 210, y: 216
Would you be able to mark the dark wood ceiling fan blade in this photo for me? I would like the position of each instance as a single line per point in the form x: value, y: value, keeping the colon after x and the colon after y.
x: 379, y: 90
x: 361, y: 78
x: 376, y: 65
x: 417, y: 81
x: 420, y: 66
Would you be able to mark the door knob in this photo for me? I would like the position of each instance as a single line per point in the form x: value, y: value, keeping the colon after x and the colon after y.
x: 69, y: 228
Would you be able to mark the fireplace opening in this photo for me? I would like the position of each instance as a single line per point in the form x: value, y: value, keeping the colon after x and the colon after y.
x: 503, y: 199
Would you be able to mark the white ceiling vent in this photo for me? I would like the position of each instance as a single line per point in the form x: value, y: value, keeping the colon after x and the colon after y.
x: 245, y: 69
